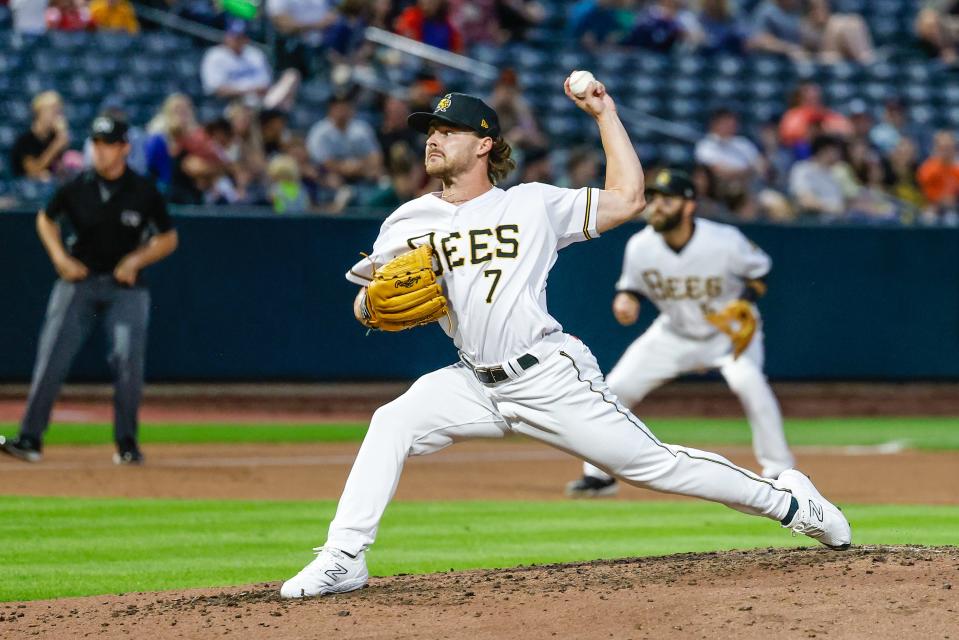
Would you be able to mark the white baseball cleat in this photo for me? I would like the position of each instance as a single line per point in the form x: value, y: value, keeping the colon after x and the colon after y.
x: 332, y: 571
x: 816, y: 517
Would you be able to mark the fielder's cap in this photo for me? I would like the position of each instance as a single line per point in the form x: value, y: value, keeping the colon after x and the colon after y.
x: 672, y: 183
x: 109, y: 129
x: 459, y: 110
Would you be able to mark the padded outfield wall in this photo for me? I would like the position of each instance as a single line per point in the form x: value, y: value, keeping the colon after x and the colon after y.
x: 263, y: 298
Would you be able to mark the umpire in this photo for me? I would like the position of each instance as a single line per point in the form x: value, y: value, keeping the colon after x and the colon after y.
x: 121, y: 225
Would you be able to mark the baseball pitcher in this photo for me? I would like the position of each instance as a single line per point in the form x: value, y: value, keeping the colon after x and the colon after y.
x: 704, y: 277
x: 475, y: 259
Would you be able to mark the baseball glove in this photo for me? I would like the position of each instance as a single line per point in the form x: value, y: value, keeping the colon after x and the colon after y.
x: 738, y: 322
x: 404, y: 293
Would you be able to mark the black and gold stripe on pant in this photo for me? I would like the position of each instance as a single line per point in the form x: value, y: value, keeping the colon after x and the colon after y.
x: 649, y: 435
x: 589, y: 203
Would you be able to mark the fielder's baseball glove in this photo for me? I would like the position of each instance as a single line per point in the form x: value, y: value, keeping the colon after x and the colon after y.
x: 736, y: 321
x: 404, y: 293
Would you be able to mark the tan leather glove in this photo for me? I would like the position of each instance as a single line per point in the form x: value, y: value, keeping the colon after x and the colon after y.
x: 404, y: 293
x: 738, y: 322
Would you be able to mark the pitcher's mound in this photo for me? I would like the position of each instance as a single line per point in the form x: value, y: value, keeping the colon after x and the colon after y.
x: 867, y: 592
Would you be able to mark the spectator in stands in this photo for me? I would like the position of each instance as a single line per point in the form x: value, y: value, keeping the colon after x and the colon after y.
x: 343, y: 145
x: 582, y: 168
x: 181, y: 156
x: 780, y: 26
x: 401, y: 188
x: 287, y: 194
x: 807, y: 115
x: 393, y: 128
x: 273, y: 131
x: 937, y: 26
x: 864, y: 177
x: 903, y: 167
x: 938, y: 177
x: 231, y: 187
x: 722, y: 29
x: 300, y: 25
x: 813, y: 182
x: 237, y: 69
x: 707, y: 205
x: 495, y: 21
x: 345, y: 39
x: 895, y: 126
x: 860, y: 120
x: 246, y: 153
x: 29, y: 17
x: 310, y: 176
x: 383, y: 14
x: 598, y: 24
x: 37, y: 151
x: 114, y: 15
x: 777, y: 159
x: 169, y: 126
x: 663, y: 25
x: 537, y: 167
x: 733, y: 159
x: 516, y: 117
x: 68, y: 15
x: 428, y: 21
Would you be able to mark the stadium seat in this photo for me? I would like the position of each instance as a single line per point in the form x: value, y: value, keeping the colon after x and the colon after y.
x: 113, y: 42
x: 8, y: 135
x: 97, y: 64
x: 162, y: 43
x: 68, y: 41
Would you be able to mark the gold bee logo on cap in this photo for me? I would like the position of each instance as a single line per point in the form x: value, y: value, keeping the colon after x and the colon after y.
x: 445, y: 103
x: 663, y: 178
x: 484, y: 124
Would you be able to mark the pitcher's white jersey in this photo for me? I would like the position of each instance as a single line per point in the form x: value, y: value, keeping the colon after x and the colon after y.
x: 706, y: 275
x: 495, y: 252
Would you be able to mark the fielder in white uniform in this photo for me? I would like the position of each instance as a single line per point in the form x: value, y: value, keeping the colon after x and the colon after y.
x: 519, y: 373
x: 689, y: 268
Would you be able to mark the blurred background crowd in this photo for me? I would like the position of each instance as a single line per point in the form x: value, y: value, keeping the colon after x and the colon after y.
x: 782, y: 110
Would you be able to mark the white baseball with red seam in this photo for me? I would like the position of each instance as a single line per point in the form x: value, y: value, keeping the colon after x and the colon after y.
x: 579, y: 82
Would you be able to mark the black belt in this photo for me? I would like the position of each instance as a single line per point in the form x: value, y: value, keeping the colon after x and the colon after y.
x: 492, y: 375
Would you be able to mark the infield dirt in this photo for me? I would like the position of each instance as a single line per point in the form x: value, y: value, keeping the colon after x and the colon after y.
x: 866, y: 592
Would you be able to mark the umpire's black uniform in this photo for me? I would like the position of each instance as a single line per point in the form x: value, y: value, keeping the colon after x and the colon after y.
x: 111, y: 219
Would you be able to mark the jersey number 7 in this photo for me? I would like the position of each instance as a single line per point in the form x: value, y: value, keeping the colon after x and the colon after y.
x: 496, y: 273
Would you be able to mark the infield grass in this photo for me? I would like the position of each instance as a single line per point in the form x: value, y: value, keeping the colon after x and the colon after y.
x: 930, y: 433
x: 57, y: 547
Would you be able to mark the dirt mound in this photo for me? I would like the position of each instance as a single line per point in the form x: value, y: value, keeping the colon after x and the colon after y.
x: 874, y: 592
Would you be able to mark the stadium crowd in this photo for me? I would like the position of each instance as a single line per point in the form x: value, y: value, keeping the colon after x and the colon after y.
x: 861, y: 162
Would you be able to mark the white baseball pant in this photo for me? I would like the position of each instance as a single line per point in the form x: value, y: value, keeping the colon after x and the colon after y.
x: 563, y: 401
x: 660, y: 355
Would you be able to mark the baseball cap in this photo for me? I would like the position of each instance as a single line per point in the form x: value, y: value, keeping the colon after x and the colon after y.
x: 236, y: 27
x: 672, y: 183
x: 459, y: 110
x: 108, y: 129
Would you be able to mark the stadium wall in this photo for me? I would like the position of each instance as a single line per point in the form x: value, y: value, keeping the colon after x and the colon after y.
x: 263, y: 298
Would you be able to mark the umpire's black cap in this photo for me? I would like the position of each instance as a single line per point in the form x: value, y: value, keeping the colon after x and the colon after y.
x: 672, y: 183
x: 459, y: 110
x: 108, y: 129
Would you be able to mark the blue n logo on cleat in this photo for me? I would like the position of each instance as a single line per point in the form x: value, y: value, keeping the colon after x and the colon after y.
x: 815, y: 509
x: 340, y: 570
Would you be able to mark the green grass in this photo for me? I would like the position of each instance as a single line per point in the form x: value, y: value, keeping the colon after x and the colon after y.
x: 56, y: 547
x: 933, y: 433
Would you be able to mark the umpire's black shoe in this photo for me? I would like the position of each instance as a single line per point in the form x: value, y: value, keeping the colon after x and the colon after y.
x: 592, y: 487
x: 21, y: 448
x: 128, y: 457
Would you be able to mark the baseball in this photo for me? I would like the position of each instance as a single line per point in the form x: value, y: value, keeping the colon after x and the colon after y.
x: 579, y: 82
